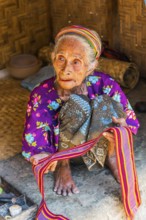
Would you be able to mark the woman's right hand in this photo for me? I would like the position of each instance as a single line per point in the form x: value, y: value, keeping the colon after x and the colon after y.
x: 35, y: 159
x: 110, y: 136
x: 111, y: 146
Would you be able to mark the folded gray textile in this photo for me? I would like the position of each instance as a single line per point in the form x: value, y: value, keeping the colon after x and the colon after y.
x: 82, y: 119
x: 74, y: 121
x: 32, y: 81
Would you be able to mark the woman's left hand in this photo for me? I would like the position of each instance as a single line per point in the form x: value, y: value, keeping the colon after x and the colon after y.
x: 120, y: 122
x: 35, y: 160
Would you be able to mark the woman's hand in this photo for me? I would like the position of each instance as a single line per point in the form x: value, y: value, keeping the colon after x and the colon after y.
x: 110, y: 136
x: 35, y: 159
x: 120, y: 122
x: 111, y: 146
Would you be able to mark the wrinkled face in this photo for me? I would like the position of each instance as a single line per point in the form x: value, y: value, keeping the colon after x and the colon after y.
x: 70, y: 63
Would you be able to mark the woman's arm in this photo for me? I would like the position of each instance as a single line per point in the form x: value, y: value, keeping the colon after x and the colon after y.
x: 38, y: 128
x: 110, y: 87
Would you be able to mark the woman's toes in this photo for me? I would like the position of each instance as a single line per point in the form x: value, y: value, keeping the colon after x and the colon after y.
x: 64, y: 192
x: 69, y: 192
x: 59, y: 191
x: 75, y: 190
x: 56, y: 186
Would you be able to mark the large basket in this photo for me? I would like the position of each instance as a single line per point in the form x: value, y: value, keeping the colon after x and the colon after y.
x: 125, y: 73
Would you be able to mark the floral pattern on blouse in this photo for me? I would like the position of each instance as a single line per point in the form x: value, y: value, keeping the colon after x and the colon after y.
x: 41, y: 132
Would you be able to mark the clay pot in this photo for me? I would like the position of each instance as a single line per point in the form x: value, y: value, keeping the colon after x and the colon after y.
x: 23, y: 65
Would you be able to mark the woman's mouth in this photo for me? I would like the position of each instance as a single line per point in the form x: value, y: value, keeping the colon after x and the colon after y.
x: 65, y: 80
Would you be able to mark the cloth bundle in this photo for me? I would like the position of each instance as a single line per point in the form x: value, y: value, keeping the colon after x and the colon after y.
x: 32, y: 81
x: 82, y: 119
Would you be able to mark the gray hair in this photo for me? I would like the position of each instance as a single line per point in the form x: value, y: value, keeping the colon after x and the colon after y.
x: 89, y: 51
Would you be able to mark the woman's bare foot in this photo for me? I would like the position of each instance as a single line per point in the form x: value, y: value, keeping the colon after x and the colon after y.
x: 64, y: 184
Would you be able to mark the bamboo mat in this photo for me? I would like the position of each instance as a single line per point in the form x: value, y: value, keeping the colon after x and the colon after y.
x: 125, y: 73
x: 13, y: 100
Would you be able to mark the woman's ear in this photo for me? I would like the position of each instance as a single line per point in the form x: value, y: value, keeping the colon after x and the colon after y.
x: 53, y: 56
x: 96, y: 64
x: 92, y: 67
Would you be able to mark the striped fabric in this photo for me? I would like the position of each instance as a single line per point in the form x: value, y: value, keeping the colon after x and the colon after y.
x: 92, y: 38
x: 126, y: 167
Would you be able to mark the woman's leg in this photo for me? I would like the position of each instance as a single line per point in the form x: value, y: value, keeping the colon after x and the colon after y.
x: 103, y: 110
x: 64, y: 184
x: 72, y: 116
x: 111, y: 163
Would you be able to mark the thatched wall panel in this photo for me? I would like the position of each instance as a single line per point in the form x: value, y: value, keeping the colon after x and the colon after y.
x: 93, y: 14
x: 24, y: 27
x: 27, y: 25
x: 132, y: 41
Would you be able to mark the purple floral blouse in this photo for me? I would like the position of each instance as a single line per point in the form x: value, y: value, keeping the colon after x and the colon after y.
x: 41, y: 131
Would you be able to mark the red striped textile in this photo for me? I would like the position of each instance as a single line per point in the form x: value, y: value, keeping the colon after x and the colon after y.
x: 126, y: 167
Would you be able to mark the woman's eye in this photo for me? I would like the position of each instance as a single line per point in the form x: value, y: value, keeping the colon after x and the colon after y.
x: 61, y: 58
x: 77, y: 62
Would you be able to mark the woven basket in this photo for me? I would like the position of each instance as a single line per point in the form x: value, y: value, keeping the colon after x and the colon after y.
x: 45, y: 52
x: 125, y: 73
x: 23, y: 65
x: 12, y: 115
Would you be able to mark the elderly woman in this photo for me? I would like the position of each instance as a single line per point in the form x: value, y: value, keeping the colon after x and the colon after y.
x: 75, y: 106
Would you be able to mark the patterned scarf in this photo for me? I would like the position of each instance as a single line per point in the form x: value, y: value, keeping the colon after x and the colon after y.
x: 92, y: 38
x: 82, y: 119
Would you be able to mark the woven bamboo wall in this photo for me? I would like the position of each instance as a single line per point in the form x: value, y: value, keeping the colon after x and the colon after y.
x: 27, y: 25
x: 94, y: 14
x: 132, y: 14
x: 121, y: 23
x: 24, y: 27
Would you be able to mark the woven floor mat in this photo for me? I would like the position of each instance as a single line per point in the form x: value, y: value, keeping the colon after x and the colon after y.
x: 13, y: 102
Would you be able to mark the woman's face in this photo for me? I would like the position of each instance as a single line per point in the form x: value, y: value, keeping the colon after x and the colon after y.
x: 70, y: 63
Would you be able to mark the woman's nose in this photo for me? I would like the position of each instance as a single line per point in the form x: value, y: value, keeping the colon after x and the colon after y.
x: 67, y: 68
